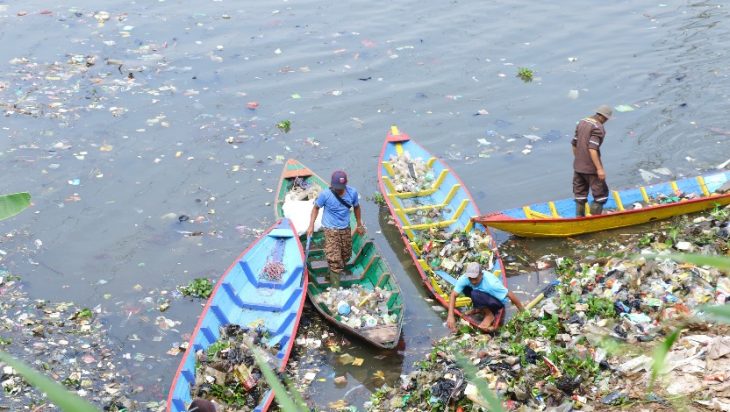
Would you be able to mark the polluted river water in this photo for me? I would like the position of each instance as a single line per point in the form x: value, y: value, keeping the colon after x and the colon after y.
x: 120, y: 119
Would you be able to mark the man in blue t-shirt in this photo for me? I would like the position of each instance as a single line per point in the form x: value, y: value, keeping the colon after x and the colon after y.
x: 337, y: 202
x: 488, y: 296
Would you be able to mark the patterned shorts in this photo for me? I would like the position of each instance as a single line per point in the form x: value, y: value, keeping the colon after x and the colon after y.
x: 337, y: 248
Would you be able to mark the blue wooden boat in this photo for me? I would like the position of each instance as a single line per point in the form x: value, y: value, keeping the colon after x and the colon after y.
x: 240, y: 297
x: 456, y: 207
x: 558, y: 219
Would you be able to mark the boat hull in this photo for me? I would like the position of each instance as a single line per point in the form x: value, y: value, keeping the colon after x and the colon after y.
x: 239, y: 297
x: 366, y: 266
x: 545, y: 219
x: 447, y: 192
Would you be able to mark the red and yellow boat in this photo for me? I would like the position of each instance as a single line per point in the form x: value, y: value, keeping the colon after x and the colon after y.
x: 624, y: 208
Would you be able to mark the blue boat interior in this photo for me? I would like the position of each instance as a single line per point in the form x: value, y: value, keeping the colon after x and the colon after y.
x: 242, y: 297
x: 446, y: 194
x: 565, y: 208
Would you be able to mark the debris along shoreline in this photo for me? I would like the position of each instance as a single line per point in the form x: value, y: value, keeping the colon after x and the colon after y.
x: 589, y: 345
x: 67, y: 343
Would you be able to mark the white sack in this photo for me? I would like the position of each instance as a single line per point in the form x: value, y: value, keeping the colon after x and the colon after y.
x: 299, y: 212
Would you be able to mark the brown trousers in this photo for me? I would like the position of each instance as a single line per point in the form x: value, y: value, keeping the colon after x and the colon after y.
x: 337, y: 248
x: 582, y: 182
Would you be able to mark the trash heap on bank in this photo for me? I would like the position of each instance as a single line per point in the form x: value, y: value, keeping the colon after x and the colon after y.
x: 589, y: 344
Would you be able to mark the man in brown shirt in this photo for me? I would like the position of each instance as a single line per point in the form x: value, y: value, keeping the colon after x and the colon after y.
x: 588, y: 172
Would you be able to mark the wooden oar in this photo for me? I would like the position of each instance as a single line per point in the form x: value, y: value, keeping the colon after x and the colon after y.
x: 545, y: 292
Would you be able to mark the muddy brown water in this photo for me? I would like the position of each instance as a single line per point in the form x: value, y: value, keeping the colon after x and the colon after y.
x: 119, y: 126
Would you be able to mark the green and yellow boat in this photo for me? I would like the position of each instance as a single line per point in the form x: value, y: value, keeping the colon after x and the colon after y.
x: 366, y: 267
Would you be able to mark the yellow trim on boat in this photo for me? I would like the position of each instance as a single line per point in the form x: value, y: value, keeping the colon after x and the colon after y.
x: 426, y: 192
x: 430, y: 162
x: 442, y: 223
x: 449, y: 196
x: 674, y: 186
x: 389, y: 185
x: 389, y: 168
x: 553, y: 210
x: 703, y: 186
x: 617, y: 199
x: 415, y: 247
x: 460, y: 210
x: 404, y: 223
x: 588, y: 209
x: 533, y: 214
x: 469, y: 226
x: 394, y: 130
x: 399, y: 149
x: 643, y: 194
x: 460, y: 301
x: 424, y: 226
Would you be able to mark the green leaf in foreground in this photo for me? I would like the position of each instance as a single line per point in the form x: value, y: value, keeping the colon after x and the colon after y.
x: 283, y: 398
x: 660, y: 354
x: 719, y: 313
x: 470, y: 372
x: 65, y: 400
x: 11, y: 205
x: 719, y: 262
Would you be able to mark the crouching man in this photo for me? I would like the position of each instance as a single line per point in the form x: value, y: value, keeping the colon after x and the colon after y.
x: 488, y: 296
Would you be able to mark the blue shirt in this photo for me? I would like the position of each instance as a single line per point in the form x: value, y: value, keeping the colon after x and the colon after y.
x: 490, y: 284
x: 336, y: 215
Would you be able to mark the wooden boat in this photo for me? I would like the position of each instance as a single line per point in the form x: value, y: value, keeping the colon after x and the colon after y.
x: 446, y: 194
x: 558, y: 219
x: 240, y: 297
x: 366, y: 265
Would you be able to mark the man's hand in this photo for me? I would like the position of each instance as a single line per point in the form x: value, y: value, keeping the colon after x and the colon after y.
x: 360, y: 229
x: 601, y: 174
x: 451, y: 323
x: 310, y: 230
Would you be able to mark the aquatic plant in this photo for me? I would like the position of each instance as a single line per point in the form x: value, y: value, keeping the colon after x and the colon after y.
x: 378, y: 199
x: 197, y: 288
x: 284, y: 126
x: 525, y: 74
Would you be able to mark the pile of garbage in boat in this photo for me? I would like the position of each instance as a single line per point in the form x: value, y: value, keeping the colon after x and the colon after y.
x: 359, y: 307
